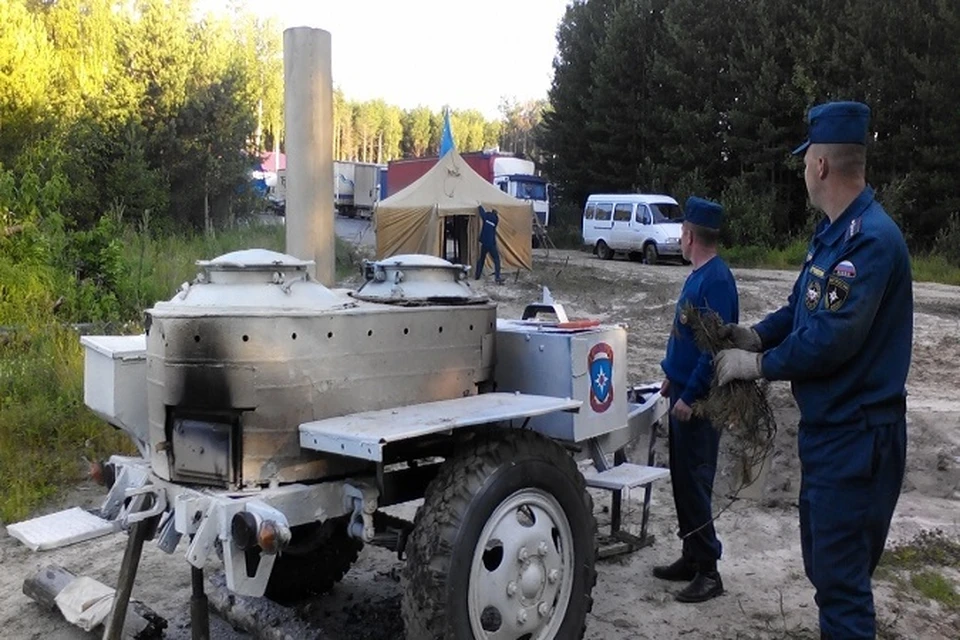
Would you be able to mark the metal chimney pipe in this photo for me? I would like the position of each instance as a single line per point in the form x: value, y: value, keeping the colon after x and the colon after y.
x: 308, y: 118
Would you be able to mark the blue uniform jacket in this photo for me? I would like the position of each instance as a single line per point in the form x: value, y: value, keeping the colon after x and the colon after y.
x: 488, y: 227
x: 710, y: 287
x: 844, y: 339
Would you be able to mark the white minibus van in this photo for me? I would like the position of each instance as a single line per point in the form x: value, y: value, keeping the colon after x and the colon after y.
x: 643, y: 226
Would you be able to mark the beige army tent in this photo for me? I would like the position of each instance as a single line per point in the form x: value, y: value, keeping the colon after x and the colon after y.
x: 414, y: 219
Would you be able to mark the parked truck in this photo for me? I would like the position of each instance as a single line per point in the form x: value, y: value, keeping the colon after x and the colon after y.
x: 515, y: 176
x: 357, y: 186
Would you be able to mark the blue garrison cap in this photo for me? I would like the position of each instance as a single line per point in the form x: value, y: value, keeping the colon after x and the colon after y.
x: 837, y: 123
x: 703, y: 213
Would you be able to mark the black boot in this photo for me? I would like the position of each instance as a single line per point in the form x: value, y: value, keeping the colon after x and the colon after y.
x: 683, y: 570
x: 705, y: 585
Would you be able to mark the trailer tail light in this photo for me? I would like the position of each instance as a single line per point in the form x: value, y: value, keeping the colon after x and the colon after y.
x: 272, y: 537
x: 249, y: 531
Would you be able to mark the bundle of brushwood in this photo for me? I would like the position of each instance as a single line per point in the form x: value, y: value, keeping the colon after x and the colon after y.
x: 739, y: 408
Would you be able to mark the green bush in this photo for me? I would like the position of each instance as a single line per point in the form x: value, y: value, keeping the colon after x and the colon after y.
x: 947, y: 243
x: 749, y: 215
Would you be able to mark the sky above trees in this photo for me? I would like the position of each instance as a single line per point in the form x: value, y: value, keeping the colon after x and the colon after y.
x: 465, y: 54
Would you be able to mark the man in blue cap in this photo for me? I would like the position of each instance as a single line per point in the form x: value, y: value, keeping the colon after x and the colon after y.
x: 489, y: 221
x: 844, y: 341
x: 694, y: 442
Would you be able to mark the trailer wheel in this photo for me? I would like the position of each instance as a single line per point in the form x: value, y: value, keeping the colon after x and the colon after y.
x: 503, y: 546
x: 318, y: 557
x: 604, y: 252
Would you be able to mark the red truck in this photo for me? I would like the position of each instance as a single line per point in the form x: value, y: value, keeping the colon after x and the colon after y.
x: 515, y: 176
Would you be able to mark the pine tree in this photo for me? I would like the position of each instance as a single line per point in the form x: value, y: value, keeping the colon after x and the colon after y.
x: 623, y: 135
x: 567, y: 150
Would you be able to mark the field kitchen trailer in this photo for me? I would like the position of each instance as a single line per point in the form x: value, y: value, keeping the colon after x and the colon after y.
x: 276, y: 417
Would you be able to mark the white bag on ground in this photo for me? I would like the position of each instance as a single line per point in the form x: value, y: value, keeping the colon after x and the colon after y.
x: 85, y: 602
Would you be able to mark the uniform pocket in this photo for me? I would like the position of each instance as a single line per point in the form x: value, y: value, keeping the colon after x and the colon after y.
x: 838, y: 454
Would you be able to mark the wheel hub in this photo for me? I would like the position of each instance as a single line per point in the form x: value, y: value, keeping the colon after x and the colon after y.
x: 532, y: 579
x: 522, y: 572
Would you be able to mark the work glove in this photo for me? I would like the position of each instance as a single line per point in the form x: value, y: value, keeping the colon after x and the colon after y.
x: 745, y: 338
x: 737, y: 364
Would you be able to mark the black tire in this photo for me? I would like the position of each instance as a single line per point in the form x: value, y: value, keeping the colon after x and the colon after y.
x: 318, y: 557
x: 490, y: 474
x: 650, y: 254
x: 604, y: 252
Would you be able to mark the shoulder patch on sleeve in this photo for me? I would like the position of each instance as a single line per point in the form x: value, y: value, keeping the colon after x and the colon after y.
x: 845, y: 269
x: 837, y: 293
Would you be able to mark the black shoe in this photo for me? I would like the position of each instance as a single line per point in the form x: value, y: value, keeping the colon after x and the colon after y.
x: 682, y: 570
x: 499, y: 280
x: 704, y: 587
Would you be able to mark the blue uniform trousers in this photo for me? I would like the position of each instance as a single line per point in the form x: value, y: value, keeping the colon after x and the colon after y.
x: 494, y: 254
x: 849, y: 488
x: 694, y: 446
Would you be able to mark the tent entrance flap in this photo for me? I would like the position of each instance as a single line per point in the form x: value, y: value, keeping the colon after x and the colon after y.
x: 456, y: 239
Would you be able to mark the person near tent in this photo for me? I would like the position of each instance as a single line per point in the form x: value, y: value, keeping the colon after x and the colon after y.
x: 488, y: 242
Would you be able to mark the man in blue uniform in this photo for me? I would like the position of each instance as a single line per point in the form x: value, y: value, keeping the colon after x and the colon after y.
x: 844, y: 341
x: 694, y: 442
x: 489, y: 220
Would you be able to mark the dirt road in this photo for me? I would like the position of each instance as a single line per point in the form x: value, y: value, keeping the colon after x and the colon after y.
x: 767, y: 593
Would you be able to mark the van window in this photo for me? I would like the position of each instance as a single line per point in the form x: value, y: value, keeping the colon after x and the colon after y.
x: 604, y: 210
x: 643, y: 214
x: 590, y: 211
x: 622, y: 212
x: 663, y: 212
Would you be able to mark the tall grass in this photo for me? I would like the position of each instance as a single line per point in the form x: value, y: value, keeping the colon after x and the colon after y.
x: 46, y: 432
x: 789, y: 257
x: 158, y: 265
x: 935, y: 268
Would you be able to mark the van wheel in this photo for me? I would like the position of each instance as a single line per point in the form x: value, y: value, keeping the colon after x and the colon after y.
x: 603, y: 251
x: 650, y: 255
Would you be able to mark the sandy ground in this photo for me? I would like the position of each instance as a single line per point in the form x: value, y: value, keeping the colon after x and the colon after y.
x: 767, y: 595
